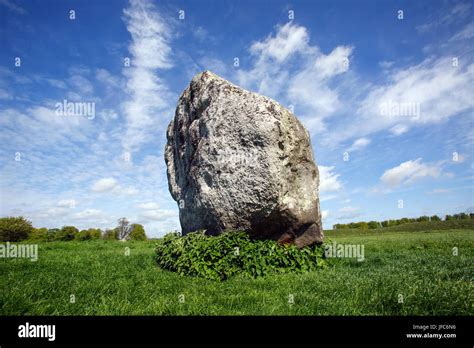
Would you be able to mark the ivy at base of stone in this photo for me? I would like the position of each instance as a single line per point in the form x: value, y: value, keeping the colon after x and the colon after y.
x: 232, y: 253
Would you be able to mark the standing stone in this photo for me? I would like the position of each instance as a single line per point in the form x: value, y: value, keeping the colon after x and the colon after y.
x: 237, y: 160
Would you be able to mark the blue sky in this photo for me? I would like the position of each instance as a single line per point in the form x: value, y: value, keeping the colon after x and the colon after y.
x: 388, y: 101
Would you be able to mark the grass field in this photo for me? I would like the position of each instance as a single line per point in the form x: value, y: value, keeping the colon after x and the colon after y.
x: 418, y: 266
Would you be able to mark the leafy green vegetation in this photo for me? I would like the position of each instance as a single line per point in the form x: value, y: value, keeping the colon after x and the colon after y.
x: 229, y: 254
x: 138, y: 232
x: 90, y: 234
x: 17, y: 229
x: 14, y: 229
x: 122, y: 278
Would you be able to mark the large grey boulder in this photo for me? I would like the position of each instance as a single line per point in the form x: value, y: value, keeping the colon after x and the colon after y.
x: 237, y: 160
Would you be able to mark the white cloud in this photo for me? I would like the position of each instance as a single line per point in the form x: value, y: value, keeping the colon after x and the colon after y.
x: 349, y: 212
x: 107, y: 78
x: 213, y: 64
x: 432, y: 91
x: 348, y: 209
x: 5, y: 94
x: 308, y: 87
x: 359, y: 144
x: 446, y: 16
x: 325, y: 198
x: 437, y: 87
x: 290, y: 39
x: 201, y: 34
x: 408, y: 172
x: 57, y: 83
x: 439, y: 190
x: 56, y: 212
x: 104, y: 185
x: 157, y: 215
x: 88, y: 214
x: 150, y: 35
x: 108, y: 114
x: 129, y: 191
x: 328, y: 181
x: 111, y: 84
x: 112, y: 185
x: 466, y: 33
x: 324, y: 214
x: 151, y: 212
x: 399, y: 129
x: 13, y: 7
x: 71, y: 203
x: 386, y: 64
x: 149, y: 206
x: 150, y: 51
x: 82, y: 84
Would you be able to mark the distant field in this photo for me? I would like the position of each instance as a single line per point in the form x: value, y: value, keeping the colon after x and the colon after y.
x: 417, y: 267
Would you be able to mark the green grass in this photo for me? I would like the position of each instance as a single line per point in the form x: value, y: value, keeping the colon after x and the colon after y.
x: 418, y: 265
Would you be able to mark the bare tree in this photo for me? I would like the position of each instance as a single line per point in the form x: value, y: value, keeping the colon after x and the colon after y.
x: 124, y: 228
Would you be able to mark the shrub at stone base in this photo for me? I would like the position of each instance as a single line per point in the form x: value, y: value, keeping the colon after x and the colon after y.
x: 233, y: 253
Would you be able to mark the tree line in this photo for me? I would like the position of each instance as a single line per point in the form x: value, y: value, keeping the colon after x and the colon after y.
x: 16, y: 229
x: 390, y: 223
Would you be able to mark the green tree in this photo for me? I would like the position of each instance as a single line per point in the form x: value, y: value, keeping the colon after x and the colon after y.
x: 138, y: 232
x: 109, y: 234
x: 52, y: 234
x: 67, y: 233
x: 448, y: 218
x: 14, y: 229
x: 39, y: 234
x: 435, y: 218
x: 82, y: 235
x: 89, y: 234
x: 362, y: 225
x: 373, y: 224
x: 423, y: 218
x: 404, y: 221
x: 95, y: 233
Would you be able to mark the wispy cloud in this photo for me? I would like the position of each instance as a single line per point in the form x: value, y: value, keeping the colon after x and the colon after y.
x: 11, y: 6
x: 430, y: 92
x: 359, y: 144
x: 150, y: 52
x: 348, y: 212
x: 446, y: 16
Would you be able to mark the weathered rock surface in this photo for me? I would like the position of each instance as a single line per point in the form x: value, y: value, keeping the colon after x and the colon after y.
x: 237, y: 160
